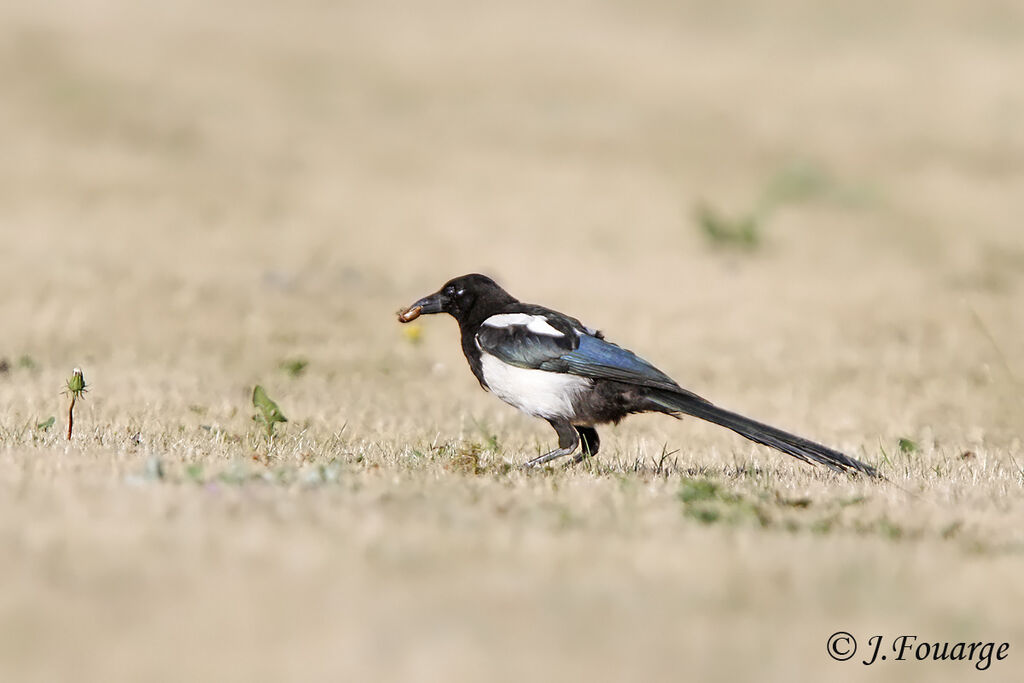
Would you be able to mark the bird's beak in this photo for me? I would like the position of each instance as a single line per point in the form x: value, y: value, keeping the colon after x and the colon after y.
x: 434, y: 303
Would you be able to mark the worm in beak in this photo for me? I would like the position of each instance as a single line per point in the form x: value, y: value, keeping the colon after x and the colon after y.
x: 409, y: 314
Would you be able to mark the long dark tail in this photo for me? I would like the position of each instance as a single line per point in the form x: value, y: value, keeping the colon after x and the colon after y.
x: 798, y: 447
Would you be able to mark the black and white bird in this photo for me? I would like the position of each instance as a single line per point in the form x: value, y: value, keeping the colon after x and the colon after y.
x: 552, y: 366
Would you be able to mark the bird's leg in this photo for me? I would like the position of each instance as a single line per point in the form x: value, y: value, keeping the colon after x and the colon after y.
x: 568, y: 441
x: 589, y: 444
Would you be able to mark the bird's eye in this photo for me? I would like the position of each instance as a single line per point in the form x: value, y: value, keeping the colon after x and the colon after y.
x: 449, y: 291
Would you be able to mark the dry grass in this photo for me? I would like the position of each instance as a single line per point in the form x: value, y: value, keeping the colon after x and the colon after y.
x: 192, y: 195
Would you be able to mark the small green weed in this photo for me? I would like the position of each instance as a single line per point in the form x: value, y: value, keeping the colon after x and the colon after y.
x: 743, y: 232
x: 294, y: 367
x: 267, y: 412
x: 491, y: 442
x: 794, y: 183
x: 907, y: 446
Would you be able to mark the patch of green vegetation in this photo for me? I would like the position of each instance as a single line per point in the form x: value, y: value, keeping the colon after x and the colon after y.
x: 741, y: 232
x: 45, y: 425
x: 294, y: 367
x: 889, y: 529
x: 696, y: 490
x: 709, y: 502
x: 490, y: 438
x: 800, y: 503
x: 794, y: 183
x: 267, y: 412
x: 907, y: 446
x: 194, y: 472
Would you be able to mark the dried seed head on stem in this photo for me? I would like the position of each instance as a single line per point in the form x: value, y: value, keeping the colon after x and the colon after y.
x: 75, y: 386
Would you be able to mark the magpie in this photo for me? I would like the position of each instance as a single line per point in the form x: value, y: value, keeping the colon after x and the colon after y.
x: 552, y: 366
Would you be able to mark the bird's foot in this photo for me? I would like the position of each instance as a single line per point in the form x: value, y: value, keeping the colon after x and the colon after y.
x: 548, y: 457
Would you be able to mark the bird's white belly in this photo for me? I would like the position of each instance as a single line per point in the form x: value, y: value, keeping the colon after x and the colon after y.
x: 535, y: 392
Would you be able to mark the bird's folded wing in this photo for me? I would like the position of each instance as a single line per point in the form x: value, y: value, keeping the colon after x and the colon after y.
x: 600, y: 359
x: 525, y: 341
x: 568, y: 350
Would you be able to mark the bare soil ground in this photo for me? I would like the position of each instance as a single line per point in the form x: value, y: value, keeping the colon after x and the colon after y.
x: 193, y: 193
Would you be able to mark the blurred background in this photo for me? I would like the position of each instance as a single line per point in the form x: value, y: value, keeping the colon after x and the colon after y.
x: 806, y: 210
x: 800, y: 174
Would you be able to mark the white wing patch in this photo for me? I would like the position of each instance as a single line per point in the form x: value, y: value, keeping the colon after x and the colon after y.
x: 535, y: 392
x: 537, y: 324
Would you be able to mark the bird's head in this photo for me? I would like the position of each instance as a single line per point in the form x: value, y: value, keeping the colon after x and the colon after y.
x: 464, y: 298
